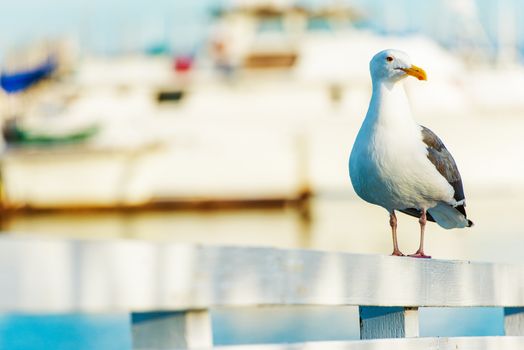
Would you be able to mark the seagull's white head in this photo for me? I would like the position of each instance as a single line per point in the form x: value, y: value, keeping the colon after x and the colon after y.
x: 393, y: 66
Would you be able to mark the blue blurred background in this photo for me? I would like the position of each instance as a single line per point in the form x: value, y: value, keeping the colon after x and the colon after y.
x: 122, y: 26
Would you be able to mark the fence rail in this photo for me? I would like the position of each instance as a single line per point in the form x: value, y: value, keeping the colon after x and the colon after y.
x: 170, y: 288
x: 461, y: 343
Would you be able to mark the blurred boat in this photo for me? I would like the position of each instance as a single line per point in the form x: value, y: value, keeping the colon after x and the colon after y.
x: 15, y: 135
x: 19, y: 80
x: 266, y: 35
x: 65, y: 152
x: 76, y: 177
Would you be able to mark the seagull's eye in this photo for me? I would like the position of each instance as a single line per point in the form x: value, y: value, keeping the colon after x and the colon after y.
x: 389, y: 58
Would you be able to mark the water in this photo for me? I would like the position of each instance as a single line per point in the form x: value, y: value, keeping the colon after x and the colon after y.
x: 65, y: 332
x: 301, y: 324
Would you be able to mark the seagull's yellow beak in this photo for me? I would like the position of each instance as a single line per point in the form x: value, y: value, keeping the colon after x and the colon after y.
x: 416, y: 72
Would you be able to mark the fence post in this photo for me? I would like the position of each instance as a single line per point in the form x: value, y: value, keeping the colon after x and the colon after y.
x: 172, y: 330
x: 378, y: 322
x: 514, y: 321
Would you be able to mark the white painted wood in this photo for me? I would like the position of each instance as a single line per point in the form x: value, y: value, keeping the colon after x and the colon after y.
x: 172, y: 330
x: 54, y: 275
x: 514, y: 321
x: 388, y: 322
x: 466, y: 343
x: 411, y: 322
x: 198, y: 329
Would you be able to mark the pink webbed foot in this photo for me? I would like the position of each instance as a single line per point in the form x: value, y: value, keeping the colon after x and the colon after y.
x: 397, y: 253
x: 420, y: 254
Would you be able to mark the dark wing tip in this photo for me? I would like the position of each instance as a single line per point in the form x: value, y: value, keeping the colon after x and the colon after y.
x: 462, y: 210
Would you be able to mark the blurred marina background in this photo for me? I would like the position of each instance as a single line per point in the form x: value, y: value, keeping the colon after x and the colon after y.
x: 231, y: 122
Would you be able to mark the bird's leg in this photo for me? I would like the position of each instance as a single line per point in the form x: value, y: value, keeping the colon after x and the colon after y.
x: 420, y: 252
x: 393, y: 224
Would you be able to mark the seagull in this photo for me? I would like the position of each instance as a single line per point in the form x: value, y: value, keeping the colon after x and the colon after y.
x: 400, y: 165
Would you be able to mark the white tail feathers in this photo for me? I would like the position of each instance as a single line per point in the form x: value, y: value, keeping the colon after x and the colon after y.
x: 448, y: 217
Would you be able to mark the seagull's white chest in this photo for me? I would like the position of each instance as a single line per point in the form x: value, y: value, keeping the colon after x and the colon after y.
x: 388, y: 163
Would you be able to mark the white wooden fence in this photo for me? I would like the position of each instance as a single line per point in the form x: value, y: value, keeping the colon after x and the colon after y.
x: 169, y: 289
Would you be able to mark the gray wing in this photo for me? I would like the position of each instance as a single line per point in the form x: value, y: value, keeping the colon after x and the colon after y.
x: 443, y: 161
x: 440, y: 157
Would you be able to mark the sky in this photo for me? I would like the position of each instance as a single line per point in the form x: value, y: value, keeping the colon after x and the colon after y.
x: 118, y: 26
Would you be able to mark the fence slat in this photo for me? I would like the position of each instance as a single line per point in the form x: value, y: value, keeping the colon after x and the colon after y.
x: 56, y: 275
x: 467, y: 343
x: 171, y: 330
x: 388, y: 322
x: 514, y: 320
